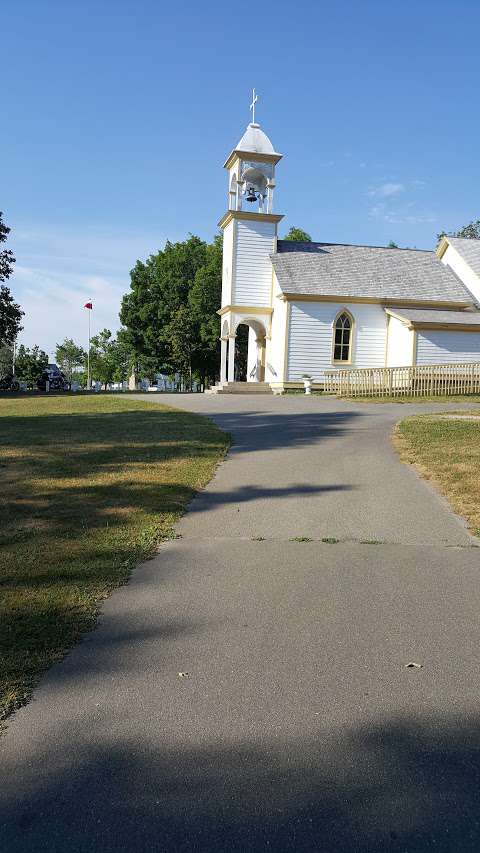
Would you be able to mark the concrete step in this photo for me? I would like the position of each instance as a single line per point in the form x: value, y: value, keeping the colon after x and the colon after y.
x: 240, y: 388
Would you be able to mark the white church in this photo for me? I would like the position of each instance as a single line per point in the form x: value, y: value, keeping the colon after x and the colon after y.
x: 312, y: 307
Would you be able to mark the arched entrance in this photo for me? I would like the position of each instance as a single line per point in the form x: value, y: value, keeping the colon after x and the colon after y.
x: 250, y: 344
x: 243, y: 348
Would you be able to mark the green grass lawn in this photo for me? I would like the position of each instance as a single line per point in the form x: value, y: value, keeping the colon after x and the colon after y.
x: 447, y: 452
x: 88, y: 487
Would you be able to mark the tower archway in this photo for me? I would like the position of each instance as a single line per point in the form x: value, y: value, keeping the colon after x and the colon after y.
x: 250, y: 350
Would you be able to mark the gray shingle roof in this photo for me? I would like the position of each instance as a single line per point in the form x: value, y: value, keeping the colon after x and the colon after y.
x: 422, y: 315
x: 469, y: 249
x: 331, y: 269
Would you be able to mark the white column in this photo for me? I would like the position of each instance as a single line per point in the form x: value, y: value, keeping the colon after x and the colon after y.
x: 223, y: 359
x: 231, y: 358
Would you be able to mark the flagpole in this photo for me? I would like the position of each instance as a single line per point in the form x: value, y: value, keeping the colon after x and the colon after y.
x: 88, y: 355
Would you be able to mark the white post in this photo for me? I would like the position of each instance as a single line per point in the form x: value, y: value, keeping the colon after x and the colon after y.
x: 223, y: 359
x: 88, y: 353
x: 231, y: 358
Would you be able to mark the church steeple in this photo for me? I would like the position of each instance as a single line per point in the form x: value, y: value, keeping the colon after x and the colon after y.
x: 251, y: 167
x: 249, y: 239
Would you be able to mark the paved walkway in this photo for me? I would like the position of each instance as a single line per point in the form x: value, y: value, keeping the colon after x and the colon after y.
x: 299, y: 727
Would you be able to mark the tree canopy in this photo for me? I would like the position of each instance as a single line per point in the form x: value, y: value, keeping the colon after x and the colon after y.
x: 169, y: 314
x: 471, y: 231
x: 10, y: 313
x: 30, y: 363
x: 6, y: 255
x: 297, y: 235
x: 70, y: 357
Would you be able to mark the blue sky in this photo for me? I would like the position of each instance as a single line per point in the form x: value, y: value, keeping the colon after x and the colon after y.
x: 117, y: 117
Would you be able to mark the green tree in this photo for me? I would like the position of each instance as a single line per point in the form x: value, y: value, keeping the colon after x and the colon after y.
x: 297, y: 235
x: 102, y: 362
x: 10, y: 313
x: 124, y: 358
x: 70, y: 357
x: 10, y: 316
x: 392, y: 245
x: 6, y: 360
x: 182, y: 337
x: 204, y: 299
x: 158, y: 288
x: 6, y: 255
x: 30, y: 363
x: 471, y: 231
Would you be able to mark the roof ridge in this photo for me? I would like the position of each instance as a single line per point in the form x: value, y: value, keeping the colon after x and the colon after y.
x: 362, y: 245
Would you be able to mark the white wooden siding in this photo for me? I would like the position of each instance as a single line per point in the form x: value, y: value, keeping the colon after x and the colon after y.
x: 400, y: 344
x: 442, y: 347
x: 311, y: 336
x: 275, y: 355
x: 254, y: 243
x: 227, y: 269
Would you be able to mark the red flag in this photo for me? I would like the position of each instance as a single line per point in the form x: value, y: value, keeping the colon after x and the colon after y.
x: 88, y: 305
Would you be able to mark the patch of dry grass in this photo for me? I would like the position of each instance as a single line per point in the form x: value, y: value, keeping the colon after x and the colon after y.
x: 411, y: 398
x: 446, y: 451
x: 88, y: 487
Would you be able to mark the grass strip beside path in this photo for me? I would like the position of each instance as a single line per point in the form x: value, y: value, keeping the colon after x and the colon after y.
x: 88, y: 487
x: 446, y: 451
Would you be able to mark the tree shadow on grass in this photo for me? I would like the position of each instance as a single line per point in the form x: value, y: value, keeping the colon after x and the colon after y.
x: 406, y: 784
x: 53, y: 461
x: 70, y: 486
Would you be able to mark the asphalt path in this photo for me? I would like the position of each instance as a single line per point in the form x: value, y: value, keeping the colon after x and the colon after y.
x: 249, y: 689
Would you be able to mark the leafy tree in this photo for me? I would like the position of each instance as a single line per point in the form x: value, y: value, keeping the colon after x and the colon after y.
x: 158, y: 289
x: 102, y: 362
x: 10, y: 313
x: 110, y: 358
x: 70, y: 357
x: 471, y: 231
x: 298, y: 235
x: 182, y: 336
x: 124, y: 357
x: 30, y: 363
x: 6, y: 360
x: 10, y: 316
x: 6, y: 255
x: 204, y: 300
x: 392, y: 245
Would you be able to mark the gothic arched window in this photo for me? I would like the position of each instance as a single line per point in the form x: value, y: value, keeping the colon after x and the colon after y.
x: 342, y: 337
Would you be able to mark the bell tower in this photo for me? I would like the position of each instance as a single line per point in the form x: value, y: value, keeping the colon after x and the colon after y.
x: 249, y: 238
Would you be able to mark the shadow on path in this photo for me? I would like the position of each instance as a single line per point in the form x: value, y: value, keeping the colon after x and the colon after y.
x: 403, y: 784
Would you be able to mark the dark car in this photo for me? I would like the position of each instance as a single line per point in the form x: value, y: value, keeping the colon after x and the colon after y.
x: 56, y: 379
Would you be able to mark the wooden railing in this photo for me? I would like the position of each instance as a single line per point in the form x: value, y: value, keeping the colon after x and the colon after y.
x: 424, y: 379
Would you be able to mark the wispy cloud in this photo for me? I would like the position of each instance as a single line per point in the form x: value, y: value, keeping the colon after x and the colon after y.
x: 59, y: 269
x: 400, y: 216
x: 386, y: 190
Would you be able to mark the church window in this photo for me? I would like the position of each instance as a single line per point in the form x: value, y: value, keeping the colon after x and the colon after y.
x: 342, y: 342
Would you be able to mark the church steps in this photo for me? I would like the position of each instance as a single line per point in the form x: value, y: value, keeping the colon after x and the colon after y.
x: 240, y: 388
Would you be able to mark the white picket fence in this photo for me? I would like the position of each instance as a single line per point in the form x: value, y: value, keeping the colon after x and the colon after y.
x: 423, y: 379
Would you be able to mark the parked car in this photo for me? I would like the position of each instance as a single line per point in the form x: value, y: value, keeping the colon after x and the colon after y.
x: 9, y: 383
x: 56, y: 379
